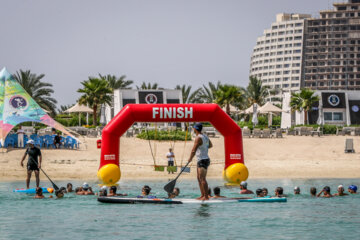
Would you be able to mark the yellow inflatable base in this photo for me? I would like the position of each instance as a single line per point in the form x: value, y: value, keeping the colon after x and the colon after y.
x: 236, y: 173
x: 109, y: 174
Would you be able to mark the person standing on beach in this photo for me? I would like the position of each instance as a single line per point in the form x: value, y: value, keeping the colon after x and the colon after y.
x: 33, y: 164
x: 170, y: 157
x: 200, y: 149
x: 20, y: 134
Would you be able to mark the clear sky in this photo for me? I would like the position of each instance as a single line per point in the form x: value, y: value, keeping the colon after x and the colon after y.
x: 169, y: 42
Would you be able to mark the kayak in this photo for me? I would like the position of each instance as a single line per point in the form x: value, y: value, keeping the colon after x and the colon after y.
x: 184, y: 201
x: 33, y: 190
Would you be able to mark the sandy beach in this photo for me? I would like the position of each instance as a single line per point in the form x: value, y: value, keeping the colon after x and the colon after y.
x: 289, y: 157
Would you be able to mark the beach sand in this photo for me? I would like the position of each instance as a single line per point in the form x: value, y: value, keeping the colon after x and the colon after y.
x: 289, y: 157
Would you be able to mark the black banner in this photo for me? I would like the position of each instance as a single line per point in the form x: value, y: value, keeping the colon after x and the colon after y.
x: 354, y: 107
x: 333, y: 100
x: 128, y: 100
x: 151, y: 97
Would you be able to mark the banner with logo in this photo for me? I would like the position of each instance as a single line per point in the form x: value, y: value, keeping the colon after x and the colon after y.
x: 16, y: 106
x: 333, y: 100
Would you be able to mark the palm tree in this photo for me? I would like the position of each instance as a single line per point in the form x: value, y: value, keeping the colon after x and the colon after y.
x: 95, y: 92
x: 148, y: 86
x: 303, y: 101
x: 208, y: 94
x: 116, y: 83
x: 38, y: 90
x: 187, y: 97
x: 256, y: 92
x: 229, y: 95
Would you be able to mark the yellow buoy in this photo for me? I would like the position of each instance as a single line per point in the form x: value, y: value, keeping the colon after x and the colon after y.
x: 109, y: 174
x: 236, y: 173
x: 224, y: 175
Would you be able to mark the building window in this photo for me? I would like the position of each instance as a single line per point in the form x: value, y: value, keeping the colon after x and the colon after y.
x: 333, y: 116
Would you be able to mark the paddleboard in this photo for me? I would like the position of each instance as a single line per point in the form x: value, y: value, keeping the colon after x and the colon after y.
x: 33, y: 190
x: 184, y: 201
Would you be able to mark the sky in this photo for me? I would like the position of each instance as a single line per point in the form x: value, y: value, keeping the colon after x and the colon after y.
x: 169, y: 42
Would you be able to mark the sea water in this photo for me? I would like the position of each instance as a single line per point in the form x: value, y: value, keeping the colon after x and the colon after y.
x: 83, y: 217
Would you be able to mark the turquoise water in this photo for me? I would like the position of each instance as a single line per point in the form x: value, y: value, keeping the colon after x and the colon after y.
x: 82, y: 217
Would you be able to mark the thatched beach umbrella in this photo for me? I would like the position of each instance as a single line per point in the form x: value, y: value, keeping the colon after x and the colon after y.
x: 269, y: 108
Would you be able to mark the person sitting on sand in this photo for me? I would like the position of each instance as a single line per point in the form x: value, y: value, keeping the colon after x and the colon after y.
x: 176, y: 191
x: 325, y: 193
x: 352, y: 189
x: 39, y: 193
x: 112, y: 192
x: 217, y: 193
x: 340, y: 192
x: 313, y: 192
x: 259, y: 193
x: 244, y: 190
x: 279, y: 192
x: 265, y: 192
x: 86, y: 190
x: 296, y: 190
x: 69, y: 187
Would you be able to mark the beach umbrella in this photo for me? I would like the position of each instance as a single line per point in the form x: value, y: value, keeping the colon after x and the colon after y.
x: 255, y: 113
x: 269, y: 109
x: 233, y: 109
x: 77, y: 108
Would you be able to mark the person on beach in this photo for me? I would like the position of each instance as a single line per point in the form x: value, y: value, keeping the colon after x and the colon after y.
x: 313, y: 192
x: 244, y: 190
x: 325, y: 193
x: 352, y: 189
x: 259, y: 193
x: 279, y: 192
x: 200, y: 149
x: 20, y: 134
x: 33, y: 164
x: 57, y: 141
x: 217, y: 193
x: 170, y: 157
x: 340, y: 192
x: 296, y: 190
x: 69, y: 187
x: 39, y: 193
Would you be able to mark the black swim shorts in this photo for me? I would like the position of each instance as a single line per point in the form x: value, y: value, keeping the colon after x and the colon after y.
x: 170, y: 163
x: 32, y: 167
x: 203, y: 163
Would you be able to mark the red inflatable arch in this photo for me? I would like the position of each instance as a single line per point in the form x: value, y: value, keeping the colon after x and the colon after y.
x: 109, y: 171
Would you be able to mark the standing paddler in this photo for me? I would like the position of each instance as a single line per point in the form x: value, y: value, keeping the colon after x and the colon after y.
x: 200, y: 149
x: 33, y: 164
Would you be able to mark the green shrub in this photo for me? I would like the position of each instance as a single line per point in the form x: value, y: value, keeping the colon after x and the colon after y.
x: 329, y: 129
x: 177, y: 135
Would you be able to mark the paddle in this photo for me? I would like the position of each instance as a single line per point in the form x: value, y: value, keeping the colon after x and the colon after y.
x: 169, y: 188
x: 54, y: 185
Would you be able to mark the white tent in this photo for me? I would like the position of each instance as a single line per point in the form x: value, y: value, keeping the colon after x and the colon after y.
x: 250, y: 110
x: 77, y: 108
x: 233, y: 109
x: 269, y: 108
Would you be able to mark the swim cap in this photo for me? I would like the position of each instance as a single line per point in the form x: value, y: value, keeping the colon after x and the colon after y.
x: 85, y: 186
x: 103, y: 188
x: 341, y: 186
x: 296, y: 188
x: 353, y: 187
x: 243, y: 183
x: 326, y: 188
x: 198, y: 126
x: 30, y: 142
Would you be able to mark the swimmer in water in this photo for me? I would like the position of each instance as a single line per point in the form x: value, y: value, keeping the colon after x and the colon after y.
x: 86, y: 190
x: 59, y: 193
x: 279, y: 192
x: 259, y: 193
x: 69, y: 188
x: 39, y: 193
x: 244, y: 190
x: 340, y: 192
x: 296, y: 190
x: 112, y: 192
x: 313, y: 191
x: 176, y: 191
x: 217, y: 193
x: 352, y: 189
x: 145, y: 192
x: 325, y: 193
x: 265, y: 191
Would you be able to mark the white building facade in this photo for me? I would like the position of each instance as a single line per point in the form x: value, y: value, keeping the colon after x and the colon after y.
x: 277, y: 56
